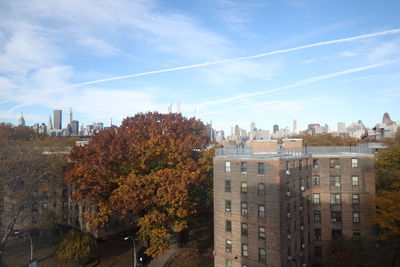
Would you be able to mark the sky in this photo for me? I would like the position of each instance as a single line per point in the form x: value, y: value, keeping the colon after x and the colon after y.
x: 235, y: 62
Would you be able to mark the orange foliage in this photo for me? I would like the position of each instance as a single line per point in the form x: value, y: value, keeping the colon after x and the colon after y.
x: 153, y: 164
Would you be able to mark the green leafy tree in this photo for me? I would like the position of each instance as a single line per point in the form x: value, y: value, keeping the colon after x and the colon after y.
x: 76, y: 246
x: 388, y: 196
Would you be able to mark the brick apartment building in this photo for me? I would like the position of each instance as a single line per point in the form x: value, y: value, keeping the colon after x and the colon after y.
x: 280, y: 204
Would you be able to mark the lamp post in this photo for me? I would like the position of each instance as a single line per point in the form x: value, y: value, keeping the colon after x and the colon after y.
x: 134, y: 250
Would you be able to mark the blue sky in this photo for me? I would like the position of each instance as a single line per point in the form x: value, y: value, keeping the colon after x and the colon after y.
x: 236, y: 61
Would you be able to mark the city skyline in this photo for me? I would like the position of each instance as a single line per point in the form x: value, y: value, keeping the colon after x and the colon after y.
x: 232, y: 62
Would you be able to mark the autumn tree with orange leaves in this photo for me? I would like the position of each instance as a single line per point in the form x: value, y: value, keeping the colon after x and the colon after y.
x: 154, y: 165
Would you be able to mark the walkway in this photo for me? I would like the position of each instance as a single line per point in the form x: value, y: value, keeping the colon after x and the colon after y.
x: 161, y: 260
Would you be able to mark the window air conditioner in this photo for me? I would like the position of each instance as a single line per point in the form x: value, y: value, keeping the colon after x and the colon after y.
x: 303, y: 246
x: 301, y: 208
x: 288, y: 193
x: 289, y: 237
x: 302, y: 228
x: 302, y: 188
x: 288, y: 172
x: 304, y: 265
x: 289, y: 258
x: 288, y: 214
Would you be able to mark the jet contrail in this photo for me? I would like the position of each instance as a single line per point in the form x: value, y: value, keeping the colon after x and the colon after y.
x: 216, y: 62
x: 299, y: 83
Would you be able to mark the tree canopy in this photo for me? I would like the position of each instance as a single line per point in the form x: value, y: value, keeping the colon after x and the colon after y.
x: 153, y: 165
x: 25, y: 171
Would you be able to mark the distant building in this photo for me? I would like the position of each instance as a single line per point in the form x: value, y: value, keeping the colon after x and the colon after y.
x: 57, y: 119
x: 21, y: 121
x: 75, y: 128
x: 341, y: 127
x: 275, y: 128
x: 50, y: 124
x: 253, y: 127
x: 294, y: 126
x: 69, y: 116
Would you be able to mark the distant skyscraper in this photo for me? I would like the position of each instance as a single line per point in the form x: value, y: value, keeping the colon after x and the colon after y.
x: 178, y: 107
x: 275, y: 128
x: 50, y: 124
x: 237, y: 130
x: 69, y: 116
x: 169, y: 108
x: 57, y: 119
x: 253, y: 127
x: 75, y: 128
x: 21, y: 121
x: 294, y: 126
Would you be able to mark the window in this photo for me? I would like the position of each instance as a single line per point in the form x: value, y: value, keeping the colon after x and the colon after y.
x: 243, y: 188
x: 228, y: 245
x: 65, y: 193
x: 227, y: 166
x: 287, y: 165
x: 306, y: 164
x: 317, y: 216
x: 336, y: 233
x: 228, y: 226
x: 260, y: 190
x: 356, y: 199
x: 356, y: 217
x: 44, y: 206
x: 356, y: 234
x: 261, y: 211
x: 335, y: 199
x: 334, y: 163
x: 262, y: 255
x: 244, y: 209
x: 227, y: 185
x: 244, y: 229
x: 243, y: 167
x: 318, y: 252
x: 228, y: 263
x: 316, y: 199
x: 335, y: 181
x: 300, y: 165
x: 354, y: 163
x: 261, y: 168
x: 228, y: 206
x: 336, y: 217
x: 317, y: 234
x: 315, y: 163
x: 354, y: 180
x: 316, y: 181
x: 245, y: 250
x: 64, y: 204
x: 261, y: 232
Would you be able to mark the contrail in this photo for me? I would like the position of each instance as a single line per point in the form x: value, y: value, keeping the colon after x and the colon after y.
x: 300, y: 83
x: 216, y: 62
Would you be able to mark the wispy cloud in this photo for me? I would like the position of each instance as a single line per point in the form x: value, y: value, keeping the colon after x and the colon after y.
x: 298, y: 84
x: 230, y: 60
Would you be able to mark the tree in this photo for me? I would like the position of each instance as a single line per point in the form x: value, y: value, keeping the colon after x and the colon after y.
x: 25, y: 171
x: 388, y: 195
x: 327, y: 139
x: 151, y: 165
x: 76, y: 246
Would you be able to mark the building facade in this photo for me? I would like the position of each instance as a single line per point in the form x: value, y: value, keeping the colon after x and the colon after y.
x: 58, y: 119
x: 281, y: 207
